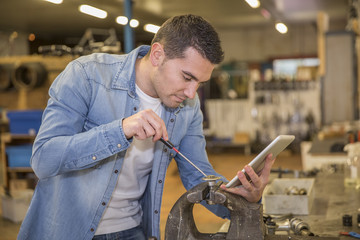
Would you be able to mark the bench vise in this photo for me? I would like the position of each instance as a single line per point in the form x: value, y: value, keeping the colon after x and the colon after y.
x: 246, y: 219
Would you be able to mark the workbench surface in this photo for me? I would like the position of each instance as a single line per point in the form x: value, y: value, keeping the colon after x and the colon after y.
x: 332, y: 200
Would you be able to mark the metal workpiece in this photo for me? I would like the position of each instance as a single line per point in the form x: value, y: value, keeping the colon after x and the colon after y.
x: 292, y: 226
x: 299, y: 227
x: 214, y: 196
x: 246, y: 219
x: 210, y: 195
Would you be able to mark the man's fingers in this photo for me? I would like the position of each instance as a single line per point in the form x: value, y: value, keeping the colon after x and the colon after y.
x: 265, y: 173
x: 232, y: 190
x: 149, y: 130
x: 255, y: 179
x: 159, y: 128
x: 242, y: 177
x: 145, y: 124
x: 252, y: 190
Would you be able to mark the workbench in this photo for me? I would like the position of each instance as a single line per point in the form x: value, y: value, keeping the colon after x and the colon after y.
x: 331, y: 201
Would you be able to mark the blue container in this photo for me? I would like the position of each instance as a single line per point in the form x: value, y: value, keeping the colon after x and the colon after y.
x: 24, y: 122
x: 19, y: 156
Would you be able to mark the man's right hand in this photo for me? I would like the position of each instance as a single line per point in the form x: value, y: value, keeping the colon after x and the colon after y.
x: 145, y: 124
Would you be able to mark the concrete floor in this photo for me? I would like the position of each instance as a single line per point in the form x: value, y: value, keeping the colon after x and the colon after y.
x: 226, y: 164
x: 8, y: 229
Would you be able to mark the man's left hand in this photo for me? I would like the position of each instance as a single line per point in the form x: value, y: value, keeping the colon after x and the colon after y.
x: 252, y: 190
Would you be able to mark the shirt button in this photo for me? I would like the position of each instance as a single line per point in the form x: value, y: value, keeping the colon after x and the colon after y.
x: 94, y: 158
x: 160, y: 181
x: 172, y: 120
x: 135, y: 108
x: 116, y: 171
x: 165, y: 149
x: 92, y: 229
x: 156, y: 211
x: 103, y: 203
x: 119, y: 145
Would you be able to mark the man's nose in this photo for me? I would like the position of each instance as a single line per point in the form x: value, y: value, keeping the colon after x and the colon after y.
x: 191, y: 89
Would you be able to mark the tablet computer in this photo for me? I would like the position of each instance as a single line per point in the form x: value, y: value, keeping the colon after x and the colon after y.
x: 275, y: 147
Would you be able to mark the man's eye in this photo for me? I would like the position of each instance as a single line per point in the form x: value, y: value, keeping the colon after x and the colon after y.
x: 187, y: 78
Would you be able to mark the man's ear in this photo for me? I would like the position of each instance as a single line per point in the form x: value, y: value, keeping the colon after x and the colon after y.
x: 157, y: 54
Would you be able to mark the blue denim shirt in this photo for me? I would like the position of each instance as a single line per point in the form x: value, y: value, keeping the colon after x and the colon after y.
x: 80, y: 148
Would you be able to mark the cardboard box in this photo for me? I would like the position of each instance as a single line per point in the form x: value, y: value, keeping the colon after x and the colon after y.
x: 15, y: 207
x: 277, y: 200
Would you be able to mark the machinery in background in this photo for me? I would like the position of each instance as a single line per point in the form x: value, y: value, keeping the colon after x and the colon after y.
x: 98, y: 40
x: 25, y: 80
x: 93, y: 40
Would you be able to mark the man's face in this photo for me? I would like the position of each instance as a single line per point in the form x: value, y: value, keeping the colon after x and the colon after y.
x: 175, y: 80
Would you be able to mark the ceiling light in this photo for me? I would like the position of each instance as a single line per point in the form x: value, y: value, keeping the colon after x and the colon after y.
x: 253, y: 3
x: 54, y: 1
x: 134, y: 23
x: 151, y: 28
x: 93, y: 11
x: 31, y: 37
x: 281, y: 27
x: 122, y: 20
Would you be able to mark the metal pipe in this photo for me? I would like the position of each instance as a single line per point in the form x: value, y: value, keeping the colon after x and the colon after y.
x: 128, y: 31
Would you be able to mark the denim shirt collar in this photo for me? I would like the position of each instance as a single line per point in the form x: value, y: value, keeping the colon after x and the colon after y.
x: 125, y: 79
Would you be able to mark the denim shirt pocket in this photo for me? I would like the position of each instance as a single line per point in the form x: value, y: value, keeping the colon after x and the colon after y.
x: 169, y: 153
x: 172, y: 153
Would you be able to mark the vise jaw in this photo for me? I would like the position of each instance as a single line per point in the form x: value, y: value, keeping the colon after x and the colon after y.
x: 246, y: 219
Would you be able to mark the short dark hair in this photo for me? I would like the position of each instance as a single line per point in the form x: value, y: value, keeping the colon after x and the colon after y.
x: 181, y: 32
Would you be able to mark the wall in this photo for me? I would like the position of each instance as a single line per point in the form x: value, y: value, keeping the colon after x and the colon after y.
x: 261, y: 43
x: 13, y: 44
x: 283, y: 112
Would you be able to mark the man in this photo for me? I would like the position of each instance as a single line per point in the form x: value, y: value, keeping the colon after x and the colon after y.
x: 100, y: 165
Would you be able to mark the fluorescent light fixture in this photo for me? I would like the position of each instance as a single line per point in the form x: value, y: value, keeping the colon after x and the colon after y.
x: 122, y: 20
x: 134, y: 23
x: 93, y: 11
x: 253, y: 3
x: 54, y: 1
x: 281, y: 27
x: 151, y: 28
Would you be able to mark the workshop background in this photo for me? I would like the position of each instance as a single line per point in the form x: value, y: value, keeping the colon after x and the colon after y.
x: 291, y: 67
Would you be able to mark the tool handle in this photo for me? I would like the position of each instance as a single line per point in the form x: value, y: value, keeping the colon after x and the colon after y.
x: 167, y: 143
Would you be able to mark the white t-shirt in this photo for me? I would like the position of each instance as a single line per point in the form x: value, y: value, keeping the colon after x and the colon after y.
x: 124, y: 211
